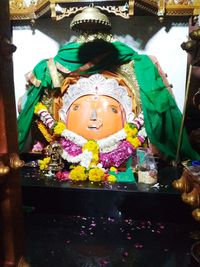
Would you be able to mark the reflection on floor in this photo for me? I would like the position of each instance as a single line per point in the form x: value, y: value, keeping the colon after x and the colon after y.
x: 77, y: 241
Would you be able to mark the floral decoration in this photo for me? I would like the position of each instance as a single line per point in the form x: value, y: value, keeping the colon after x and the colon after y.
x: 43, y: 163
x: 44, y: 131
x: 91, y: 159
x: 59, y: 128
x: 96, y: 175
x: 78, y: 173
x: 62, y: 176
x: 111, y: 178
x: 39, y: 107
x: 93, y: 147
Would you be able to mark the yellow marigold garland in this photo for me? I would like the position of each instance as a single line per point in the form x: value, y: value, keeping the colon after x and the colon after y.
x: 132, y: 138
x: 45, y: 132
x: 96, y: 175
x: 134, y: 141
x: 130, y: 129
x: 39, y: 106
x: 59, y: 128
x: 78, y: 173
x: 92, y: 146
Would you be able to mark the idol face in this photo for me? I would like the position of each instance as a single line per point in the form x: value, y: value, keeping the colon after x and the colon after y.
x: 95, y: 116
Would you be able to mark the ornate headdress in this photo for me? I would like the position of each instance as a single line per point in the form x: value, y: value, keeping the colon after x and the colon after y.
x: 97, y: 84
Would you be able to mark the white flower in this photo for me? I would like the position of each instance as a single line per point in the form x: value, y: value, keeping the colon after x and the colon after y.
x: 69, y: 158
x: 100, y: 166
x: 142, y: 132
x: 75, y: 138
x: 110, y: 143
x: 86, y: 158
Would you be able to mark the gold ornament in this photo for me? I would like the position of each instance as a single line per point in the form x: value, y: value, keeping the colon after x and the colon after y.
x: 196, y: 214
x: 191, y: 198
x: 182, y: 184
x: 90, y: 19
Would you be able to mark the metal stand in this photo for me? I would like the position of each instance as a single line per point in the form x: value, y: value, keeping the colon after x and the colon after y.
x: 183, y: 117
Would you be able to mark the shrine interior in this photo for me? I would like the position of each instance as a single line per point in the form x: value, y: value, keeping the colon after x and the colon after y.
x: 114, y: 191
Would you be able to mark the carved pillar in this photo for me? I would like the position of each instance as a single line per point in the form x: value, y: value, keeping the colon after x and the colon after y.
x: 11, y: 228
x: 193, y: 104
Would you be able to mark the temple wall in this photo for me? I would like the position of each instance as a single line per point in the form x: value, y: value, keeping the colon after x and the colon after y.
x: 144, y: 34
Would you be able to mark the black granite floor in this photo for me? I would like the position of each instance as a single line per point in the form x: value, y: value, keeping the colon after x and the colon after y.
x: 78, y: 241
x: 107, y: 225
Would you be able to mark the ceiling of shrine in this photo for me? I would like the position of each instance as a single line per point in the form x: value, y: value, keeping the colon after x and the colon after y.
x: 59, y: 9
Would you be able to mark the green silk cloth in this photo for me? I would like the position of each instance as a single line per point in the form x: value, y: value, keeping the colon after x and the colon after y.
x: 161, y: 114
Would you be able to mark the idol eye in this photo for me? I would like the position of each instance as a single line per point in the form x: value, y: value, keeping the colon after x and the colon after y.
x: 114, y: 110
x: 75, y: 107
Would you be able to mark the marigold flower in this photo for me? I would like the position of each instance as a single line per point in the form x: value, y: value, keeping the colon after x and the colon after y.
x: 130, y: 129
x: 96, y: 175
x: 112, y: 178
x: 44, y: 163
x: 59, y: 128
x: 78, y: 174
x: 92, y: 146
x: 45, y: 132
x: 39, y: 106
x: 113, y: 169
x: 134, y: 141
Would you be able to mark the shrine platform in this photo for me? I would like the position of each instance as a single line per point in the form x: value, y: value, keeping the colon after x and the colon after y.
x: 84, y: 224
x: 161, y: 202
x: 107, y: 224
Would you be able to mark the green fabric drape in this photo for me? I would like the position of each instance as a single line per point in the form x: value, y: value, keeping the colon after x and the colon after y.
x: 161, y: 114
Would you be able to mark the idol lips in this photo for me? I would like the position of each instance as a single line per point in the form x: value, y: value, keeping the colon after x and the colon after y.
x: 95, y: 125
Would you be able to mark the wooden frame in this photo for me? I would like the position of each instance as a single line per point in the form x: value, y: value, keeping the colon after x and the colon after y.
x: 125, y: 9
x: 11, y: 223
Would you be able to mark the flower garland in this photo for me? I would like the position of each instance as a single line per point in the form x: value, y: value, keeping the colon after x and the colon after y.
x: 92, y: 158
x: 44, y: 131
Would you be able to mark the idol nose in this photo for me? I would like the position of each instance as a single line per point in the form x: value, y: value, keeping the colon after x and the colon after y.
x: 93, y: 115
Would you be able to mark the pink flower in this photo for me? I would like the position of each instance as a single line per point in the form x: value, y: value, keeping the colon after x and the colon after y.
x: 118, y: 156
x: 62, y: 176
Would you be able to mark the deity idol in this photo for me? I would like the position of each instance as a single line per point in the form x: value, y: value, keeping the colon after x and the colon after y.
x: 96, y: 107
x: 95, y: 102
x: 97, y: 128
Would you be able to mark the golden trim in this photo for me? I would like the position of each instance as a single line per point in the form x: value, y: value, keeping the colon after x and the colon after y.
x: 149, y: 9
x: 66, y: 12
x: 53, y: 72
x: 126, y: 72
x: 19, y: 10
x: 131, y: 7
x: 117, y: 10
x: 170, y: 7
x: 30, y: 77
x: 62, y: 68
x: 161, y: 7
